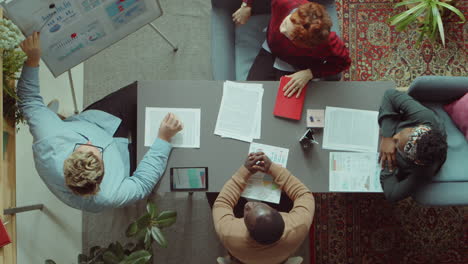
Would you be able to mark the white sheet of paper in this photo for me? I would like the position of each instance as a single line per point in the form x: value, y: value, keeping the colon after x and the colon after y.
x: 258, y: 120
x: 354, y: 172
x: 261, y: 186
x: 189, y: 137
x: 276, y: 154
x: 351, y: 130
x: 240, y: 111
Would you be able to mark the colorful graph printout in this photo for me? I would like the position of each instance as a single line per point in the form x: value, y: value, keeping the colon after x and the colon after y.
x: 261, y: 186
x: 354, y: 172
x: 189, y: 178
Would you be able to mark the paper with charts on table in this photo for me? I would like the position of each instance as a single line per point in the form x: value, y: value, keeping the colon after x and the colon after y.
x: 350, y: 130
x: 189, y: 137
x: 354, y: 172
x: 261, y: 186
x: 240, y: 112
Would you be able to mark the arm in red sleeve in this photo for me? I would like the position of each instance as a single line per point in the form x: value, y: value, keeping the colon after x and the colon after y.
x: 337, y: 62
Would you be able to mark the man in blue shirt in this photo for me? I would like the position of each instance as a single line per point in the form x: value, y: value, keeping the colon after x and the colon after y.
x: 86, y: 160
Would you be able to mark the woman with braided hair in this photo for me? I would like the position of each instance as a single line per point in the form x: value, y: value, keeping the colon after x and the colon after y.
x: 413, y: 145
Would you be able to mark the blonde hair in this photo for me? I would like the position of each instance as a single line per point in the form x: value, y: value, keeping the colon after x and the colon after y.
x: 83, y: 173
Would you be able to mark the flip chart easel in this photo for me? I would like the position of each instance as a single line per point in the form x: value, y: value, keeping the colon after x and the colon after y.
x: 73, y: 31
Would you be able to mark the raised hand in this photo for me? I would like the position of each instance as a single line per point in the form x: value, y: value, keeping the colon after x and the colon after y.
x: 32, y: 47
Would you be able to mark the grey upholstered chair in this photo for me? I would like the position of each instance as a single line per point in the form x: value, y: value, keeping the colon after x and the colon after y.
x: 450, y: 185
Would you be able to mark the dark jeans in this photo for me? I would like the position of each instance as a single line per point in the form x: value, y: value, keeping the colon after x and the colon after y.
x: 123, y: 104
x: 262, y: 69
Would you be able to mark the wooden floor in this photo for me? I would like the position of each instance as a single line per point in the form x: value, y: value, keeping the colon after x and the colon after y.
x: 7, y: 179
x: 8, y: 195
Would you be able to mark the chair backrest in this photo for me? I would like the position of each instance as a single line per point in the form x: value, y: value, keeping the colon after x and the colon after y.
x: 259, y: 6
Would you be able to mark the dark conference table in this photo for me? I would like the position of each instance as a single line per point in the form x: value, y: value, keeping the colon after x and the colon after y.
x: 223, y: 156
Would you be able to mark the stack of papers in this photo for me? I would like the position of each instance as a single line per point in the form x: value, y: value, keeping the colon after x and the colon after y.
x: 189, y: 137
x: 261, y: 186
x: 354, y: 172
x: 240, y: 113
x: 351, y: 130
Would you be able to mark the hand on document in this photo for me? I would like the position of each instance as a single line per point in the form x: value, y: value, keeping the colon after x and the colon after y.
x: 257, y: 161
x: 387, y: 154
x: 170, y: 125
x: 297, y: 83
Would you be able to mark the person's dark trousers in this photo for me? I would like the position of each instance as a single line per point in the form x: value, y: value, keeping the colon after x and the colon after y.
x: 123, y: 104
x: 262, y: 69
x: 285, y: 205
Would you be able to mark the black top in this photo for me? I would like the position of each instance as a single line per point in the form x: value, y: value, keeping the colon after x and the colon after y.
x: 399, y: 111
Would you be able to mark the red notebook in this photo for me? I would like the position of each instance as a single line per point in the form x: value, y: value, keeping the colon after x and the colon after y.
x: 289, y: 107
x: 4, y: 237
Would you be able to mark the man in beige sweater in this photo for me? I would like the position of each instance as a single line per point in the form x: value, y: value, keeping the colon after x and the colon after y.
x: 264, y: 235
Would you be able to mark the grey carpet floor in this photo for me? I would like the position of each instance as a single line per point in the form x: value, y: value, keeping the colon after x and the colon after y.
x: 145, y: 56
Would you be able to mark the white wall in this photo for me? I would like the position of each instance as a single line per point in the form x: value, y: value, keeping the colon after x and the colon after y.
x: 56, y: 231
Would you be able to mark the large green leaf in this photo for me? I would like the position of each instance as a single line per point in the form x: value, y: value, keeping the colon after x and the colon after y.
x: 166, y: 218
x: 141, y: 234
x: 119, y: 250
x: 420, y: 38
x: 110, y: 258
x: 144, y: 221
x: 151, y: 209
x: 166, y: 222
x: 432, y: 23
x: 166, y: 215
x: 141, y: 261
x: 158, y: 236
x: 408, y: 3
x: 141, y: 256
x: 132, y: 229
x: 148, y: 240
x: 453, y: 9
x: 436, y: 14
x: 403, y: 24
x: 396, y: 19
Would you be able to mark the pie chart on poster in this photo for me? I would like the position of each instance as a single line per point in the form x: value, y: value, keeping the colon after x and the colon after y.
x: 55, y: 28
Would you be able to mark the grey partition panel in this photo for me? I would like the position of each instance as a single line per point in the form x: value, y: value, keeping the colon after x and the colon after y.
x: 224, y: 156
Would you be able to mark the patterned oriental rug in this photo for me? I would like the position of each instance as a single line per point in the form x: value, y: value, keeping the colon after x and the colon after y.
x: 365, y: 228
x: 379, y: 52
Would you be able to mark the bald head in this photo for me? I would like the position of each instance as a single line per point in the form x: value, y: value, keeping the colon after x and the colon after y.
x: 265, y: 224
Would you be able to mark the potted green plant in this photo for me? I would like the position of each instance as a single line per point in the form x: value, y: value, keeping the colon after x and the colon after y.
x: 145, y: 230
x: 13, y: 59
x: 428, y: 14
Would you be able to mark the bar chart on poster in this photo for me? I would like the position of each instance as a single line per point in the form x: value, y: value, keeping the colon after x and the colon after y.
x: 71, y: 31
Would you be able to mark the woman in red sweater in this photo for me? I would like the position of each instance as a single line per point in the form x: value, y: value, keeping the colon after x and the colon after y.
x: 299, y: 44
